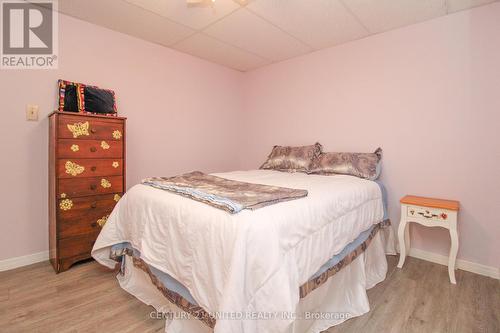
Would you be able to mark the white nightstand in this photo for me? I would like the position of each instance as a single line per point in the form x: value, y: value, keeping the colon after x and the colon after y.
x: 431, y: 213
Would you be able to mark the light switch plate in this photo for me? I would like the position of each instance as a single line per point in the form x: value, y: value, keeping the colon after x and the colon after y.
x: 32, y: 112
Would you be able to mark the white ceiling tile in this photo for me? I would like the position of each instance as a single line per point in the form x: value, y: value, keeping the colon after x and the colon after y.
x: 196, y: 16
x: 382, y: 15
x: 319, y: 23
x: 120, y: 16
x: 211, y: 49
x: 247, y: 34
x: 456, y: 5
x: 252, y: 33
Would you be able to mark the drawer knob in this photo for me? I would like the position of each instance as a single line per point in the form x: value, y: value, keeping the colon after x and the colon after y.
x: 427, y: 214
x: 94, y: 168
x: 93, y: 131
x: 93, y: 187
x: 93, y: 149
x: 93, y: 205
x: 93, y: 224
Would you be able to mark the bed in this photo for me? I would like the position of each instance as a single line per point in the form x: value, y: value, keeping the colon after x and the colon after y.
x: 296, y: 266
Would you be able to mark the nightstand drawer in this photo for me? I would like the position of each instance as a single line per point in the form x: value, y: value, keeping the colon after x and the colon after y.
x: 427, y: 213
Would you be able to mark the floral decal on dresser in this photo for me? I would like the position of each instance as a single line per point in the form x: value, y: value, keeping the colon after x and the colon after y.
x: 75, y: 148
x: 73, y: 168
x: 117, y: 134
x: 66, y: 204
x: 79, y: 129
x: 104, y: 145
x: 105, y: 183
x: 102, y: 221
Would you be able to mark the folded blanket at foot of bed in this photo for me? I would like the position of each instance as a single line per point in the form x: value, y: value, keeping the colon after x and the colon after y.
x: 177, y: 294
x: 230, y: 195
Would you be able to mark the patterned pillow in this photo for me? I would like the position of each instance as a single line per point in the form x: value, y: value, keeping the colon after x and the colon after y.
x: 69, y: 96
x: 286, y: 158
x: 82, y: 98
x: 363, y: 165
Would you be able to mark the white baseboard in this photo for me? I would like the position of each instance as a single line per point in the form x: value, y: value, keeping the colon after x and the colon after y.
x: 29, y: 259
x: 493, y: 272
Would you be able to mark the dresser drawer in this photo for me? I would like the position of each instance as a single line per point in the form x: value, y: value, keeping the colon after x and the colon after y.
x: 84, y: 215
x: 78, y: 127
x: 71, y: 148
x: 79, y: 187
x: 71, y: 168
x: 77, y: 246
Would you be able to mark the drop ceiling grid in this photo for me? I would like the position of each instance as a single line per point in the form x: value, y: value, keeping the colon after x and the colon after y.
x: 453, y: 6
x: 260, y: 32
x: 220, y: 52
x: 318, y: 24
x: 390, y: 14
x: 126, y: 18
x: 250, y: 32
x: 201, y: 45
x: 192, y: 16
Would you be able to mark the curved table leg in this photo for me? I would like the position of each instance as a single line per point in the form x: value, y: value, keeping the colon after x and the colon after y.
x: 404, y: 241
x: 453, y: 255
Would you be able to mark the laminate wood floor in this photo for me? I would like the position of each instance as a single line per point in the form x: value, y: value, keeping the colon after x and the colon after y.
x: 87, y: 298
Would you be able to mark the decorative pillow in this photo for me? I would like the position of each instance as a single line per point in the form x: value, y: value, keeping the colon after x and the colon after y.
x: 363, y: 165
x: 69, y: 97
x: 78, y: 97
x: 286, y: 158
x: 97, y: 100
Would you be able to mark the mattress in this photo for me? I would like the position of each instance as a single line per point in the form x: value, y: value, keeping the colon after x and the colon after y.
x: 232, y: 263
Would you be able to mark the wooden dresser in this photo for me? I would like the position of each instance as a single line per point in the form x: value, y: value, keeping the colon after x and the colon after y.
x: 86, y: 180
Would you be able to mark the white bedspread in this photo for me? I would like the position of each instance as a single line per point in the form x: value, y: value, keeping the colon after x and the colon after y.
x: 250, y: 262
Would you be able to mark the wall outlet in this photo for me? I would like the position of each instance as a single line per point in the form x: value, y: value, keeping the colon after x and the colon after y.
x: 32, y: 112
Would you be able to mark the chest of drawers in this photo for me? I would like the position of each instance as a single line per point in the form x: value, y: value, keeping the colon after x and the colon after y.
x: 86, y: 180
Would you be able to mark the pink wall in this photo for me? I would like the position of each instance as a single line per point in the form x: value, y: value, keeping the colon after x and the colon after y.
x: 428, y: 94
x: 181, y: 111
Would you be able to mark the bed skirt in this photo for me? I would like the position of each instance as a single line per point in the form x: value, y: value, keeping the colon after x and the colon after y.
x: 328, y: 303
